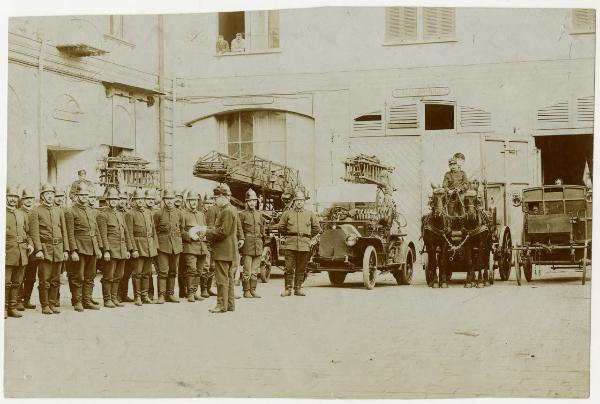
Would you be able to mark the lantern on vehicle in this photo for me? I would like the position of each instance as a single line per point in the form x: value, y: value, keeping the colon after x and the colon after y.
x: 351, y: 240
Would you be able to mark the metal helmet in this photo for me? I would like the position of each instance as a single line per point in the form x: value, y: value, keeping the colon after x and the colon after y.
x: 149, y: 194
x: 112, y: 194
x: 123, y: 195
x: 452, y: 161
x: 459, y: 156
x: 180, y: 193
x: 12, y: 191
x: 222, y: 189
x: 251, y: 195
x: 168, y: 194
x: 299, y: 195
x: 47, y: 187
x: 60, y: 192
x: 27, y: 193
x: 82, y: 189
x: 189, y: 194
x: 138, y: 194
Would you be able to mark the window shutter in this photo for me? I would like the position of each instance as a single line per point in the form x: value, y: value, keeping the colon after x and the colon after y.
x: 585, y: 109
x: 273, y: 29
x: 400, y: 23
x: 368, y: 124
x: 470, y: 117
x: 584, y: 20
x: 402, y: 116
x: 554, y: 115
x: 438, y: 23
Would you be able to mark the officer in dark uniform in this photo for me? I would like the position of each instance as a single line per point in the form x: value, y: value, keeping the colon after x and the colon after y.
x: 31, y: 268
x: 49, y: 233
x: 253, y: 226
x: 298, y: 225
x: 182, y: 274
x: 93, y: 204
x: 124, y: 283
x: 117, y: 247
x: 59, y: 202
x: 168, y: 223
x: 206, y: 277
x: 455, y: 183
x: 85, y: 249
x: 153, y: 204
x: 223, y: 239
x: 143, y: 234
x: 194, y: 246
x: 18, y: 246
x: 81, y: 174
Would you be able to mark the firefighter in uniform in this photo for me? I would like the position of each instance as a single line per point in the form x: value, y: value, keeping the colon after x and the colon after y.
x: 153, y: 203
x: 194, y: 247
x: 59, y: 202
x: 210, y: 211
x: 117, y: 246
x: 124, y: 283
x: 298, y: 225
x: 84, y: 245
x: 455, y: 183
x: 223, y: 239
x: 168, y: 223
x: 182, y: 274
x: 27, y: 202
x: 81, y: 179
x: 254, y: 232
x: 141, y: 231
x: 48, y: 230
x: 17, y: 248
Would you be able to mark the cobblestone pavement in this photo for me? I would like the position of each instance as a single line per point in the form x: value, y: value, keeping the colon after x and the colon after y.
x: 346, y: 342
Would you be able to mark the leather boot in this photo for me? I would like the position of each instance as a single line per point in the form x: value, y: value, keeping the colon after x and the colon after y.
x: 114, y: 293
x: 253, y: 283
x: 14, y: 313
x: 170, y: 295
x: 77, y: 298
x: 139, y: 291
x: 203, y: 291
x: 298, y: 285
x: 182, y: 282
x: 246, y: 288
x: 44, y: 301
x: 209, y: 282
x: 191, y: 288
x: 27, y: 290
x: 288, y: 279
x: 12, y: 296
x: 162, y: 287
x: 151, y: 291
x: 87, y: 299
x: 106, y: 291
x: 53, y: 299
x: 143, y: 285
x: 124, y: 290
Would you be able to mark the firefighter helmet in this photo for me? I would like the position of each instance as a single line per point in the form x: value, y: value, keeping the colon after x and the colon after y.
x: 251, y: 195
x: 168, y: 194
x: 27, y: 193
x: 138, y: 194
x: 299, y: 195
x: 47, y: 187
x: 60, y: 192
x: 12, y: 191
x: 112, y: 194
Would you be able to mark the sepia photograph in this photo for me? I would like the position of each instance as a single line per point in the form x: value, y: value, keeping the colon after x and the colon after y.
x: 320, y: 201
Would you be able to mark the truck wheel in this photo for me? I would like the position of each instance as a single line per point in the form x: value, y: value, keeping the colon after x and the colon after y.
x: 370, y: 267
x: 265, y: 265
x: 404, y: 276
x: 337, y: 278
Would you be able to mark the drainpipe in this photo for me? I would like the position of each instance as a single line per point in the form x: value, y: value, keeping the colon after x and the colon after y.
x: 43, y: 156
x: 161, y: 88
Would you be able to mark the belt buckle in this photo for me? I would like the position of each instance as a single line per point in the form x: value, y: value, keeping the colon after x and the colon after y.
x: 92, y: 233
x: 19, y: 239
x: 55, y: 241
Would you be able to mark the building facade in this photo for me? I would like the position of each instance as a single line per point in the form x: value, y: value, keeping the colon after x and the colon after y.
x: 512, y: 89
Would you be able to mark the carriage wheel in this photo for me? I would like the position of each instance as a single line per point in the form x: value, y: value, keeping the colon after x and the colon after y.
x: 505, y: 255
x: 492, y: 273
x: 528, y: 269
x: 404, y: 276
x: 265, y: 265
x: 337, y: 278
x: 425, y: 263
x: 370, y: 267
x: 518, y: 267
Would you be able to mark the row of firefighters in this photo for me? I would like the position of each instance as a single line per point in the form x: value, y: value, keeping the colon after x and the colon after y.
x: 184, y: 237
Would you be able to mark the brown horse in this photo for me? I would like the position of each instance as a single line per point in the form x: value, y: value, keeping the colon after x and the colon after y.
x: 432, y: 231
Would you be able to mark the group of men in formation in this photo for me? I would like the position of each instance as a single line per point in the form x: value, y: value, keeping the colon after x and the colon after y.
x: 185, y: 237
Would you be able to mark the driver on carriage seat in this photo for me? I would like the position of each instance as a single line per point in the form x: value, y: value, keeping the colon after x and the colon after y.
x: 455, y: 184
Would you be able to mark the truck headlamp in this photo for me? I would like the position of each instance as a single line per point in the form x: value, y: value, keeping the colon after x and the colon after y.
x: 351, y: 240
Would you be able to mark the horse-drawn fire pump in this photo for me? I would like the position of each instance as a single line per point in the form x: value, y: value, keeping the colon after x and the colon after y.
x: 361, y: 228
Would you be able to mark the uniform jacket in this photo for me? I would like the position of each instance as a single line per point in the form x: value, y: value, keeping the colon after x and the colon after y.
x: 191, y: 219
x: 142, y: 232
x: 48, y: 230
x: 223, y: 235
x: 253, y: 226
x: 82, y: 230
x: 211, y: 215
x: 169, y: 225
x: 114, y: 233
x: 456, y: 180
x: 298, y: 226
x: 17, y: 227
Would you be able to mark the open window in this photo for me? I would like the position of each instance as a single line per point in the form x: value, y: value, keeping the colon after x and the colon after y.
x: 244, y: 31
x: 439, y: 116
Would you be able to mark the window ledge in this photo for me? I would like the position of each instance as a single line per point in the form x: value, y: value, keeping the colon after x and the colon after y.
x: 119, y: 40
x: 581, y: 32
x: 418, y: 41
x: 249, y: 52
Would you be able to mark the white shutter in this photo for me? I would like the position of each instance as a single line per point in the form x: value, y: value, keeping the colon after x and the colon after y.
x: 402, y: 116
x: 258, y: 30
x: 438, y: 23
x: 474, y: 117
x: 584, y: 20
x: 368, y: 124
x: 400, y: 23
x: 585, y: 109
x: 273, y: 29
x: 554, y: 114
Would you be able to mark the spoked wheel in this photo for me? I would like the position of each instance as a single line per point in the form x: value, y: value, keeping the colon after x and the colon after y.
x: 491, y: 270
x: 404, y: 275
x: 337, y: 278
x: 505, y: 255
x: 527, y: 269
x: 518, y: 264
x: 425, y: 263
x: 370, y: 267
x: 265, y: 265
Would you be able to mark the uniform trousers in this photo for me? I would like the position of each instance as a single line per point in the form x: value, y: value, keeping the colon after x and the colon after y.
x: 13, y: 277
x: 142, y: 274
x: 167, y: 271
x: 295, y: 267
x: 112, y: 272
x: 251, y: 267
x: 82, y: 274
x: 225, y: 274
x: 49, y: 282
